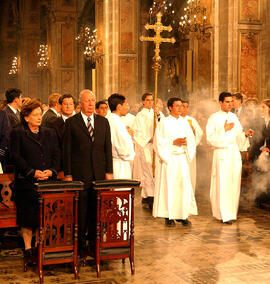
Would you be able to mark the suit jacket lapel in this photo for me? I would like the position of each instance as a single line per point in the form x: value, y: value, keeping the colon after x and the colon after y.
x: 96, y: 128
x: 82, y: 125
x: 10, y: 111
x: 61, y: 125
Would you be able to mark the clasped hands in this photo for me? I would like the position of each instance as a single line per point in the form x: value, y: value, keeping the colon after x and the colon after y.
x: 42, y: 175
x: 180, y: 142
x: 229, y: 126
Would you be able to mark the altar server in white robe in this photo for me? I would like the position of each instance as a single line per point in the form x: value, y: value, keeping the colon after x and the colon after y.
x: 143, y: 137
x: 175, y: 146
x: 224, y: 132
x: 198, y: 137
x: 128, y: 119
x: 122, y: 144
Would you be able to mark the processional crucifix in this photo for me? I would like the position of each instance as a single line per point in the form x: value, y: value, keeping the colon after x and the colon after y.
x: 157, y: 39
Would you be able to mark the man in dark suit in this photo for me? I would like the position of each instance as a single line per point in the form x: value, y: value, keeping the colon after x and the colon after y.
x: 67, y: 110
x: 54, y: 111
x: 14, y: 103
x: 239, y: 110
x: 4, y: 139
x: 87, y: 156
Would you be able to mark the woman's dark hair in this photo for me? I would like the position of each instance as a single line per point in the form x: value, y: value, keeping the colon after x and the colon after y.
x: 28, y: 107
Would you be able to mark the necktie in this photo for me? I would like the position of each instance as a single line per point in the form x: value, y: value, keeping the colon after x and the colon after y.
x: 18, y: 115
x: 90, y: 128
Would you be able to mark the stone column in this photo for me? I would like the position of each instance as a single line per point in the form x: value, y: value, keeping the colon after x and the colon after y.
x: 240, y: 44
x: 29, y: 76
x: 203, y: 68
x: 143, y: 48
x: 63, y: 49
x: 9, y: 46
x: 120, y: 47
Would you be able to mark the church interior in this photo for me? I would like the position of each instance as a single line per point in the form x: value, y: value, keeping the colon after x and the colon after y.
x: 45, y: 48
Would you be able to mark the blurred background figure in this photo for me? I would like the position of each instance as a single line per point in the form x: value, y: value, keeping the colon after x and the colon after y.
x: 259, y: 153
x: 102, y: 108
x: 77, y: 108
x: 2, y: 104
x: 14, y: 104
x: 4, y: 139
x: 198, y: 133
x: 45, y: 107
x: 128, y: 120
x: 25, y: 99
x: 54, y: 109
x: 67, y: 110
x: 134, y: 109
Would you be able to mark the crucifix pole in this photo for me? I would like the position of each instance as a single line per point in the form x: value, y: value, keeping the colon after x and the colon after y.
x: 157, y: 40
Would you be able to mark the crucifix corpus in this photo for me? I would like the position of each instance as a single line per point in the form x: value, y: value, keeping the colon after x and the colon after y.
x: 157, y: 39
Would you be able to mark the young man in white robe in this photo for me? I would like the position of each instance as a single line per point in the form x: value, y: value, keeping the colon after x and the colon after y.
x: 175, y: 146
x: 224, y: 132
x: 198, y: 137
x: 122, y: 144
x: 143, y: 138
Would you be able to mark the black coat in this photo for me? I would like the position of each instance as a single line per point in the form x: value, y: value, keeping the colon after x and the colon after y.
x: 29, y: 154
x: 58, y: 125
x: 14, y: 121
x: 83, y: 159
x: 4, y: 135
x: 48, y: 116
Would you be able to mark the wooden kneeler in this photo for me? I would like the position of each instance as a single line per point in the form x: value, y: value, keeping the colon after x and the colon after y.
x: 58, y: 228
x: 115, y: 221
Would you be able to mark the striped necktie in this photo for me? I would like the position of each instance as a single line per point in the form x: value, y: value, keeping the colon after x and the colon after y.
x: 90, y: 128
x: 18, y: 115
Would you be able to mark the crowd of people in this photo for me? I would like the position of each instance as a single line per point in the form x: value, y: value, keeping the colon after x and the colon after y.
x: 109, y: 139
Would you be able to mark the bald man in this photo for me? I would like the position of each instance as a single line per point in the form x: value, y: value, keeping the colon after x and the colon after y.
x: 87, y: 156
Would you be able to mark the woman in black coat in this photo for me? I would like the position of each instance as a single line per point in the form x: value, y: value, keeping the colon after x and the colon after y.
x: 34, y: 152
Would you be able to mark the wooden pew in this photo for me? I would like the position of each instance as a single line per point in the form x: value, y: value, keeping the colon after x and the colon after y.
x: 7, y: 204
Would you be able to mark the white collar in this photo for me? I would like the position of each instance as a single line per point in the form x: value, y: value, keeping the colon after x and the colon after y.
x: 64, y: 117
x: 13, y: 109
x: 85, y: 118
x: 55, y: 111
x: 115, y: 115
x: 147, y: 109
x: 175, y: 117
